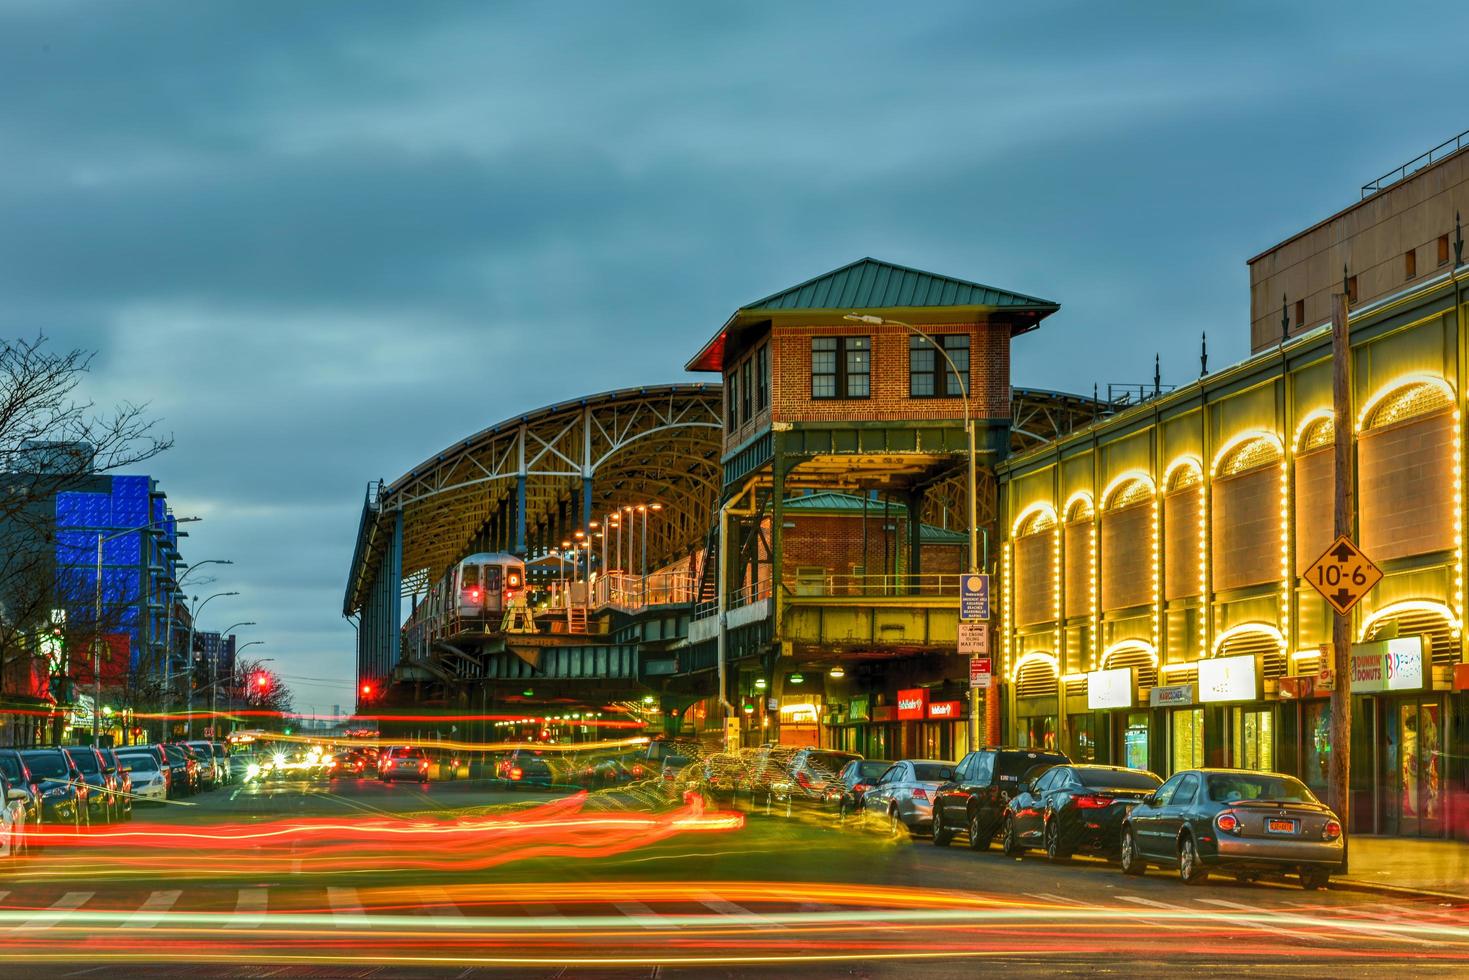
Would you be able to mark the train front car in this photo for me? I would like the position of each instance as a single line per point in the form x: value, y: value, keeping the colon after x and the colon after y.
x: 484, y: 585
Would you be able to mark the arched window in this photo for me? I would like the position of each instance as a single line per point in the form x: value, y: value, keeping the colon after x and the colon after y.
x: 1080, y: 547
x: 1406, y: 454
x: 1433, y: 621
x: 1183, y: 530
x: 1134, y: 653
x: 1128, y: 537
x: 1315, y: 486
x: 1036, y: 676
x: 1262, y: 640
x: 1245, y: 518
x: 1036, y: 571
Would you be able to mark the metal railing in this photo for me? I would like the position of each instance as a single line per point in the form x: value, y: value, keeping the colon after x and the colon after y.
x: 874, y: 586
x: 1452, y: 145
x: 623, y: 591
x: 748, y: 595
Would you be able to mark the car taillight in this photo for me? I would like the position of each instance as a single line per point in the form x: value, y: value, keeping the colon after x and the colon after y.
x: 1332, y: 830
x: 860, y: 787
x: 920, y: 794
x: 515, y: 772
x: 1091, y: 802
x: 423, y: 764
x: 637, y: 770
x: 1227, y: 823
x: 804, y: 780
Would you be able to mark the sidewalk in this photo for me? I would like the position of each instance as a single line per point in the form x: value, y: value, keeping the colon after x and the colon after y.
x: 1407, y: 864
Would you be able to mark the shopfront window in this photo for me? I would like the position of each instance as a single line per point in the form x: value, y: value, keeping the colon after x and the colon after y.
x: 1135, y: 740
x: 1316, y: 745
x: 1253, y: 739
x: 1038, y: 732
x: 1083, y: 746
x: 1186, y: 739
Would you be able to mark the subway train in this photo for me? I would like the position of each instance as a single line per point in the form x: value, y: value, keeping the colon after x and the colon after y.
x: 470, y: 598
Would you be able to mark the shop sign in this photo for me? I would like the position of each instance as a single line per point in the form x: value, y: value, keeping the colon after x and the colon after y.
x: 912, y: 703
x: 1461, y: 677
x: 1388, y: 665
x: 858, y: 708
x: 1171, y: 696
x: 884, y: 712
x: 1111, y: 688
x: 1229, y: 679
x: 945, y: 709
x: 1297, y: 688
x: 974, y: 638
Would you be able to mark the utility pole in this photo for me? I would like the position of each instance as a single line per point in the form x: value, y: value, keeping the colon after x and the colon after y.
x: 1340, y: 768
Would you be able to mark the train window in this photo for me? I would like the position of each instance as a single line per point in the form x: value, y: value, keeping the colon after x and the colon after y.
x: 469, y: 577
x: 512, y: 580
x: 492, y: 578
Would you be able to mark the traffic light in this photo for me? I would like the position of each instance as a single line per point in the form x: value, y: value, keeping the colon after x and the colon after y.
x: 262, y: 681
x: 367, y: 690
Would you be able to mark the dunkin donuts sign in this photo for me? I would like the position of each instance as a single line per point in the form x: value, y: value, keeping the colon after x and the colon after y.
x: 1388, y: 665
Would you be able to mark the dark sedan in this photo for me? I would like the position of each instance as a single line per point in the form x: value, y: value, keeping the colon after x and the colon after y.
x: 1067, y: 809
x: 856, y: 778
x: 63, y: 793
x: 1251, y: 823
x: 101, y: 788
x: 14, y: 768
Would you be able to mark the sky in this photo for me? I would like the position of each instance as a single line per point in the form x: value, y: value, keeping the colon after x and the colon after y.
x: 324, y: 240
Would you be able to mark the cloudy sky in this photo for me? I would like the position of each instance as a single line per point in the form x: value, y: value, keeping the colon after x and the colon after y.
x: 325, y: 239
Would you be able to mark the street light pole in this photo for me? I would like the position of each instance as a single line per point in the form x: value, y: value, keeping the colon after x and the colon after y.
x: 175, y: 588
x: 97, y: 618
x: 214, y: 672
x: 193, y: 623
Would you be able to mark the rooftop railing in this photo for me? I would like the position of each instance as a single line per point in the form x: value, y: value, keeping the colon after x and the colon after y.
x: 1422, y: 160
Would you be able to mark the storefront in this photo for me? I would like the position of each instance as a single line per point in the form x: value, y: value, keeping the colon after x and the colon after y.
x: 945, y: 731
x: 1116, y: 729
x: 1179, y: 722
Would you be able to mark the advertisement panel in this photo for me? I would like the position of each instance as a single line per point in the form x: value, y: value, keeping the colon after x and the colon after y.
x: 1115, y: 688
x: 945, y: 709
x: 1229, y: 679
x: 912, y: 703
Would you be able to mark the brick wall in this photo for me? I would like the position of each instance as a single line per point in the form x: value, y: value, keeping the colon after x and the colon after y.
x: 989, y: 372
x: 1405, y: 487
x: 1245, y: 521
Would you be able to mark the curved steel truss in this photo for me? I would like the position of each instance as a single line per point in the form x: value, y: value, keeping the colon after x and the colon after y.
x: 527, y: 483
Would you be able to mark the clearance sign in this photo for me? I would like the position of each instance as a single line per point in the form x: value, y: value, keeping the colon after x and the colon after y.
x: 912, y: 703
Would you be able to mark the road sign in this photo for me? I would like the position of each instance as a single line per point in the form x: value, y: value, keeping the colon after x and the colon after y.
x: 974, y: 638
x: 1343, y: 575
x: 974, y: 597
x: 980, y: 671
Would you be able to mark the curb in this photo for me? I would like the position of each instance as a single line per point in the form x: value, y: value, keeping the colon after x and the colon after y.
x: 1402, y: 891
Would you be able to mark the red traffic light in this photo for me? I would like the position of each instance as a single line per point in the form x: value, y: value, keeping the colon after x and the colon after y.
x: 366, y: 689
x: 262, y: 681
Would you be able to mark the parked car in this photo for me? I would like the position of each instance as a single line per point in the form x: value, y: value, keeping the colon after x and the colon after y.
x: 766, y: 765
x: 14, y: 768
x: 122, y: 783
x: 973, y: 803
x: 672, y: 773
x: 149, y: 778
x: 203, y: 758
x: 101, y: 788
x: 14, y: 838
x: 811, y: 778
x: 601, y: 772
x: 403, y: 761
x: 720, y: 776
x: 856, y: 778
x: 902, y: 797
x: 662, y: 746
x: 1251, y: 823
x: 182, y: 779
x: 63, y: 791
x: 1070, y: 808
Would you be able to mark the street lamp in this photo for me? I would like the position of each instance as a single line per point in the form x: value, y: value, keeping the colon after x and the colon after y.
x: 172, y: 588
x: 643, y: 509
x: 97, y: 621
x: 194, y: 612
x: 968, y: 426
x: 214, y: 670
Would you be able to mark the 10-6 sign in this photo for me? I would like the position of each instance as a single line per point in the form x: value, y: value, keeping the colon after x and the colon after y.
x: 1343, y: 575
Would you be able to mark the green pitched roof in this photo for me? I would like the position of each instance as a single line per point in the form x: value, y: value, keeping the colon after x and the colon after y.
x: 870, y: 284
x: 831, y: 502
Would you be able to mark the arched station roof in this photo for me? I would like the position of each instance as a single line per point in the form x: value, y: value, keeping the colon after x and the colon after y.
x: 657, y: 444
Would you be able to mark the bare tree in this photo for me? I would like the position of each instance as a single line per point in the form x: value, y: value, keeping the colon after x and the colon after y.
x: 248, y: 692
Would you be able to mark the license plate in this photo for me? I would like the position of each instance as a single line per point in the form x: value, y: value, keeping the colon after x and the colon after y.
x: 1277, y: 826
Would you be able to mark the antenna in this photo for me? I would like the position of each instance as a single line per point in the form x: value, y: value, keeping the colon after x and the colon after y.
x: 1203, y: 354
x: 1157, y: 375
x: 1284, y: 321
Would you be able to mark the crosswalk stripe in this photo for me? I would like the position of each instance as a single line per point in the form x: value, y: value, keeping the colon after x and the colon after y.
x: 1265, y: 926
x: 638, y: 910
x: 546, y: 914
x: 434, y: 904
x: 69, y: 902
x: 712, y: 901
x: 250, y: 908
x: 1058, y: 899
x: 152, y: 911
x: 344, y: 902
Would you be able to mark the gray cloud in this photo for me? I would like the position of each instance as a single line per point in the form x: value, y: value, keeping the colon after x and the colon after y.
x: 326, y: 239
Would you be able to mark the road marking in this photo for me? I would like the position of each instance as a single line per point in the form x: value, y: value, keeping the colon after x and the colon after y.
x: 250, y: 908
x: 712, y: 901
x: 1295, y: 934
x: 153, y: 910
x: 433, y: 903
x: 69, y: 902
x: 344, y: 902
x: 544, y: 913
x: 1359, y: 914
x: 647, y: 918
x: 1058, y: 899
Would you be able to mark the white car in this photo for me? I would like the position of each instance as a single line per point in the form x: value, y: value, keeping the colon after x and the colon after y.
x: 150, y: 785
x: 13, y: 839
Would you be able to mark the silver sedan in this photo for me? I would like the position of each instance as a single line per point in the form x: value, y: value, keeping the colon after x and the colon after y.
x: 902, y: 797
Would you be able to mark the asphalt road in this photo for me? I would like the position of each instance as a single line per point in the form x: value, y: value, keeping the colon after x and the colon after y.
x: 362, y: 879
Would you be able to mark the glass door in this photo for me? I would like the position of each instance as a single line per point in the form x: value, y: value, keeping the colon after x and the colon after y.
x: 1186, y: 739
x: 1415, y: 763
x: 1135, y: 740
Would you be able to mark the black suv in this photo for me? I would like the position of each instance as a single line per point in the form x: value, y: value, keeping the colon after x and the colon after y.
x: 973, y: 804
